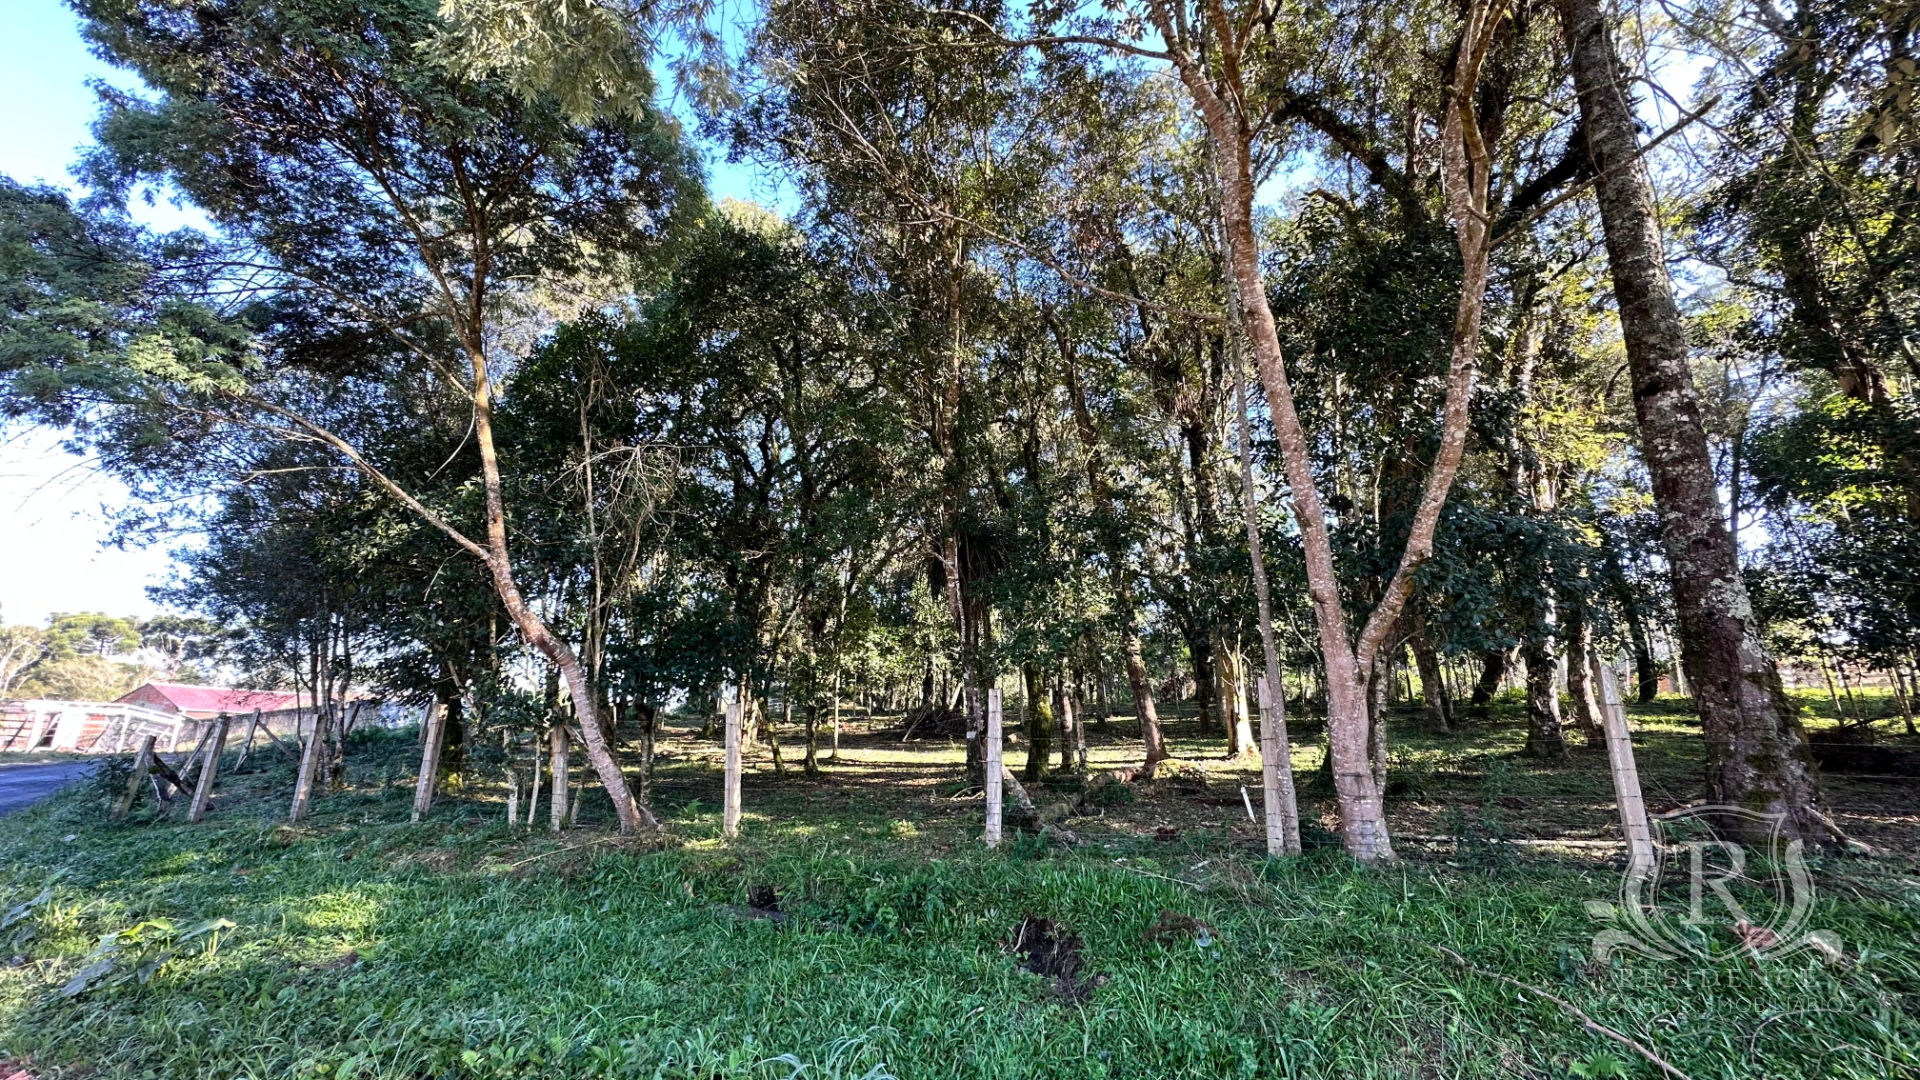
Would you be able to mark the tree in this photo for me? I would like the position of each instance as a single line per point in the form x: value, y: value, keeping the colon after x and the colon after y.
x: 381, y: 210
x: 1220, y: 93
x: 20, y: 648
x: 91, y: 634
x: 179, y: 641
x: 1757, y: 755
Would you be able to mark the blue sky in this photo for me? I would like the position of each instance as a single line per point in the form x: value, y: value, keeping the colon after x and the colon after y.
x: 54, y: 506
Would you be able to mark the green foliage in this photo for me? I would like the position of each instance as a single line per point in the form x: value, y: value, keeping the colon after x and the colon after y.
x: 92, y: 634
x: 94, y: 312
x: 78, y: 657
x: 81, y: 678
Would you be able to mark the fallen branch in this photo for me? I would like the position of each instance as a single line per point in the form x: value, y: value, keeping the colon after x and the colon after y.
x: 1859, y: 846
x: 1025, y: 803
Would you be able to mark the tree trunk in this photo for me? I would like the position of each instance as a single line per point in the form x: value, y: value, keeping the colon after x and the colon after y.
x: 1278, y: 796
x: 1905, y: 684
x: 1433, y: 684
x: 1349, y: 661
x: 1826, y: 676
x: 1646, y: 671
x: 453, y: 739
x: 1073, y: 737
x: 811, y: 763
x: 833, y: 753
x: 1143, y: 710
x: 1580, y: 688
x: 630, y: 814
x: 963, y: 663
x: 649, y: 733
x: 751, y: 718
x: 336, y: 763
x: 1377, y: 693
x: 1124, y: 609
x: 1230, y: 673
x: 1757, y: 756
x: 1039, y: 724
x: 1493, y: 670
x: 1206, y: 677
x: 1544, y: 737
x: 773, y: 730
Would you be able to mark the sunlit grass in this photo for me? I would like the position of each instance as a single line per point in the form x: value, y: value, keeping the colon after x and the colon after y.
x: 367, y: 947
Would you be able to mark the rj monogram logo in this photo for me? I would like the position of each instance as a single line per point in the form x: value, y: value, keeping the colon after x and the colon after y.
x: 1698, y: 898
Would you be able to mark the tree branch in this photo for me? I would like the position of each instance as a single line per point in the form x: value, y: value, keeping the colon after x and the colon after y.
x: 1358, y: 145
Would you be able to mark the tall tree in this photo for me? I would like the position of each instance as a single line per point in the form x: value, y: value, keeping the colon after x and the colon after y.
x: 1210, y: 52
x: 382, y: 197
x: 1757, y: 756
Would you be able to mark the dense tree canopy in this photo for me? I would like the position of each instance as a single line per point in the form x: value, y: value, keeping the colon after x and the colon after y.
x: 472, y: 396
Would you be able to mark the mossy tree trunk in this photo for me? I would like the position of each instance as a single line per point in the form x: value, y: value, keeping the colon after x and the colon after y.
x: 1757, y: 755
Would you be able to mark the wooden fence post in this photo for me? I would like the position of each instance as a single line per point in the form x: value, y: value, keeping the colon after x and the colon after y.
x: 203, y: 792
x: 309, y: 761
x: 246, y: 748
x: 559, y: 755
x: 142, y: 765
x: 1271, y: 762
x: 423, y: 785
x: 266, y: 728
x: 533, y: 797
x: 190, y: 768
x: 730, y: 809
x: 166, y: 782
x: 1626, y: 776
x: 993, y: 778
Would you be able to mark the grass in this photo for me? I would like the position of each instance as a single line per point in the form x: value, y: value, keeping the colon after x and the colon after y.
x: 361, y: 946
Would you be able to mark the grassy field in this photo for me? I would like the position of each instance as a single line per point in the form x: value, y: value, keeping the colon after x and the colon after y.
x: 361, y: 946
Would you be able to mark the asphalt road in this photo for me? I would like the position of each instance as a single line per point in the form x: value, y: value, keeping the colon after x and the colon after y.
x: 23, y: 785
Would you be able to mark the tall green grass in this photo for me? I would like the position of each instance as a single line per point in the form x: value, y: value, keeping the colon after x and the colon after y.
x: 361, y: 946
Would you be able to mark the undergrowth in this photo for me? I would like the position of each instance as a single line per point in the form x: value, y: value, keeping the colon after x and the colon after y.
x: 361, y: 946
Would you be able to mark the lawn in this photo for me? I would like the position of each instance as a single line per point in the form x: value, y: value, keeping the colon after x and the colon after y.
x: 361, y: 946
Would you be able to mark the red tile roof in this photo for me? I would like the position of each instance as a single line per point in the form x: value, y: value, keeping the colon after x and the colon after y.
x: 208, y: 699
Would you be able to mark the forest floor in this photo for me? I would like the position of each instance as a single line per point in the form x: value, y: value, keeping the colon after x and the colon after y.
x: 859, y: 929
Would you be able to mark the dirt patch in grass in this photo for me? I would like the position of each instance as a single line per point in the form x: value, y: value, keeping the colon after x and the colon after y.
x: 763, y: 902
x: 1048, y: 950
